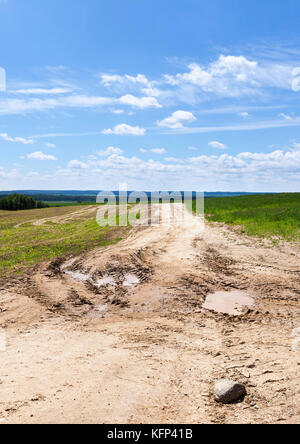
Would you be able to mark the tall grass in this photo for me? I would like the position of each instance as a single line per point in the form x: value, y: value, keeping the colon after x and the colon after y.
x: 267, y: 215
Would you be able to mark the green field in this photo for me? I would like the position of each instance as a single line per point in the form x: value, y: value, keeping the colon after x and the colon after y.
x: 23, y: 244
x: 267, y: 215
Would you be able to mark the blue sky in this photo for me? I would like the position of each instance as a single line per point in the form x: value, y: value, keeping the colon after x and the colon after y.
x: 156, y: 94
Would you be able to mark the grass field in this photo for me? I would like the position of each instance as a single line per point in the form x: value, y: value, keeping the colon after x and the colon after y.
x: 22, y: 243
x: 267, y: 215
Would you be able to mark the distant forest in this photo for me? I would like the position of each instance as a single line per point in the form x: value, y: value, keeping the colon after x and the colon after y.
x: 15, y: 202
x: 59, y: 198
x: 88, y: 196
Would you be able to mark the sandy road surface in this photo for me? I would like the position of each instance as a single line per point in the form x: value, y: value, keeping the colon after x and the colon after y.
x: 119, y: 335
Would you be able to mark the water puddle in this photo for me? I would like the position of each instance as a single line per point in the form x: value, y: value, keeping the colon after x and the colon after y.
x: 130, y: 280
x: 232, y: 303
x: 68, y: 264
x: 127, y: 280
x: 77, y: 276
x: 101, y: 308
x: 105, y: 280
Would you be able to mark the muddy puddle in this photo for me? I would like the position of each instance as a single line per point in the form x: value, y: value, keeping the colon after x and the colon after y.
x: 131, y: 280
x: 126, y: 280
x: 106, y: 280
x: 78, y: 276
x: 101, y: 308
x: 232, y: 303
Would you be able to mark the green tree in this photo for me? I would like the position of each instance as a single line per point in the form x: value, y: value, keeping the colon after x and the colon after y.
x: 15, y: 202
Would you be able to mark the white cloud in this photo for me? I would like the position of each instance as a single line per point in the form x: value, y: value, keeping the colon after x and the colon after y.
x: 21, y: 106
x: 143, y: 150
x: 125, y: 130
x: 217, y: 145
x: 7, y: 138
x: 43, y: 91
x: 140, y: 102
x: 140, y: 78
x: 244, y: 114
x: 192, y: 148
x: 177, y: 119
x: 109, y: 151
x: 152, y: 91
x: 160, y: 151
x: 136, y: 83
x: 285, y: 116
x: 2, y: 79
x: 232, y: 76
x: 76, y: 164
x: 39, y: 155
x: 270, y: 171
x: 85, y: 101
x: 174, y: 160
x: 248, y: 171
x: 296, y: 79
x: 253, y: 126
x: 117, y: 111
x: 215, y: 77
x: 50, y: 145
x: 109, y: 80
x: 56, y: 69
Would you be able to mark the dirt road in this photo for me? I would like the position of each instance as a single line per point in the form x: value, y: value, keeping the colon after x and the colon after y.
x: 120, y: 335
x: 65, y: 218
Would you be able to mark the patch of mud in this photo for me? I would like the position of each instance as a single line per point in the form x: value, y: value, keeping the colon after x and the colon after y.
x: 127, y: 272
x: 231, y: 303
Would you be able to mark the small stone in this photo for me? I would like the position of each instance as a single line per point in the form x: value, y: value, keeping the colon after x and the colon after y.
x: 227, y: 392
x: 246, y: 374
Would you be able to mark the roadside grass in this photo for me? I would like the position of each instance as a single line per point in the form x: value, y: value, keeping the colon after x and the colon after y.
x: 26, y: 245
x: 268, y: 215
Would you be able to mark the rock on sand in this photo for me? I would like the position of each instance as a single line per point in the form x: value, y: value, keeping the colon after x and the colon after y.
x: 227, y: 392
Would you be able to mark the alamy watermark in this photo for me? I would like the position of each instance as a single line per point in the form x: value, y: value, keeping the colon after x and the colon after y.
x: 2, y: 79
x: 138, y: 208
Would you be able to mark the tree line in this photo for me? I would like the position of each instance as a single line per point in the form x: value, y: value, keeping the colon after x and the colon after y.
x: 59, y: 197
x: 16, y: 202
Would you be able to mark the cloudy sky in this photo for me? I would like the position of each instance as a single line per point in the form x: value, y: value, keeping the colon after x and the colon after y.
x: 157, y: 94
